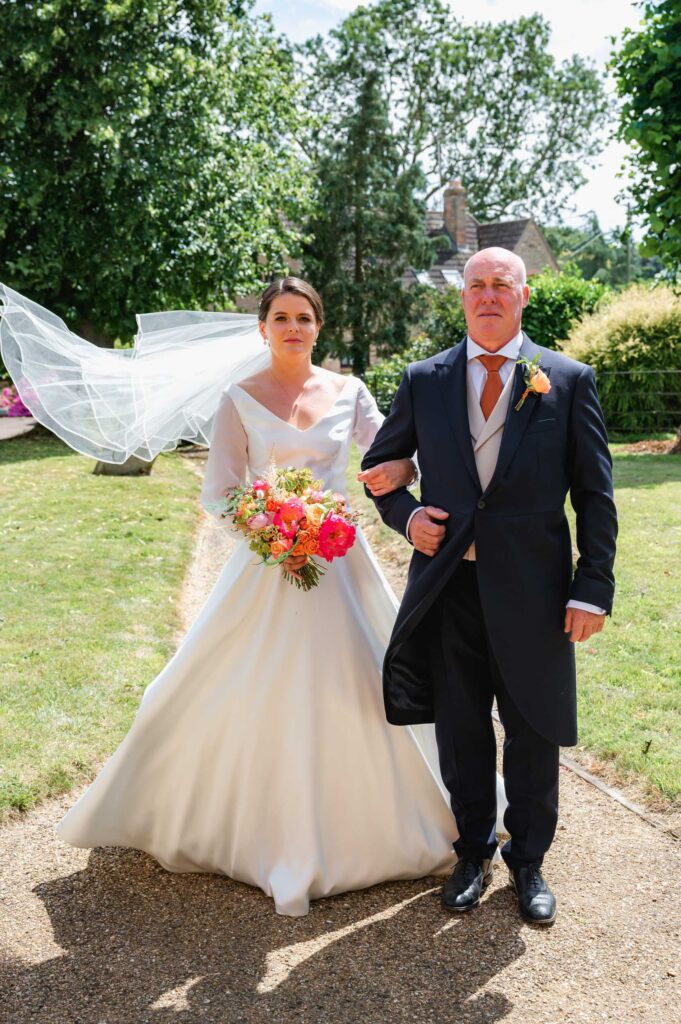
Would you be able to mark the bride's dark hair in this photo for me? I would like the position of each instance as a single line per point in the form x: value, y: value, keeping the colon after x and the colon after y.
x: 295, y: 286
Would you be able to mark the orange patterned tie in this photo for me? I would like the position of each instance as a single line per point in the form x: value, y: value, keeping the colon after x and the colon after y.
x: 493, y: 386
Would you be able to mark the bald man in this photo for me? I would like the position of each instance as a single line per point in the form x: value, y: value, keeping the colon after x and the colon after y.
x: 505, y: 430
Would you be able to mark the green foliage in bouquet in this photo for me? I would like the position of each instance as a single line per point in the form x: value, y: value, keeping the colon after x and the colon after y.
x: 634, y: 344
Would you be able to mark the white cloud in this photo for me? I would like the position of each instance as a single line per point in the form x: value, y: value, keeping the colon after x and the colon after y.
x: 578, y: 26
x: 341, y: 5
x: 586, y: 28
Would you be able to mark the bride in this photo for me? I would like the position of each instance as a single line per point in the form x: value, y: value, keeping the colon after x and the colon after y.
x: 261, y: 751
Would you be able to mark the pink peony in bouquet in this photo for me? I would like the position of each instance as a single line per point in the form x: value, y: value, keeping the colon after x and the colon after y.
x: 288, y: 512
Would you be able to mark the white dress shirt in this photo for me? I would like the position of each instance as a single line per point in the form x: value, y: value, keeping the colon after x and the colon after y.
x: 477, y: 375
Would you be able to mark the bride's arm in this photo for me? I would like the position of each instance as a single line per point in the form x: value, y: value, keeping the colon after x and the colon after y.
x: 386, y: 476
x: 227, y: 459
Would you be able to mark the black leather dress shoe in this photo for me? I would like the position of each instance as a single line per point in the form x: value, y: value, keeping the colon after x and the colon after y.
x: 536, y: 902
x: 463, y: 888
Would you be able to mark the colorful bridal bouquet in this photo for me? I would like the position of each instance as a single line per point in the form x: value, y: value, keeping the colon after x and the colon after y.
x: 287, y: 512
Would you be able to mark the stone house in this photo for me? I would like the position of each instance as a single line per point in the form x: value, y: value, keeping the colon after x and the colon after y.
x: 459, y: 234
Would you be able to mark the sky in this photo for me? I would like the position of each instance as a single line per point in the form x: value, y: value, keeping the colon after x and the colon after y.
x: 581, y: 27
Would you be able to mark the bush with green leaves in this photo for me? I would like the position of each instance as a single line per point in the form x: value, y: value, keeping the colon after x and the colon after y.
x: 384, y: 376
x: 557, y: 303
x: 633, y: 342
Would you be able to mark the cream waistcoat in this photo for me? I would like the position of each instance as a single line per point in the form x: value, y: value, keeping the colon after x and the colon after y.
x: 486, y: 435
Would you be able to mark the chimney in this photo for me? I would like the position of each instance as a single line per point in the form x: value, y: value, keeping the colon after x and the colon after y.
x: 455, y: 212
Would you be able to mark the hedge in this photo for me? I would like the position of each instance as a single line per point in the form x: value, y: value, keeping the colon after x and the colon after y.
x: 633, y: 342
x: 557, y: 302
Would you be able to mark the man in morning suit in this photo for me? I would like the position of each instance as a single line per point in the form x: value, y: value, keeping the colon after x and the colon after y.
x: 504, y: 430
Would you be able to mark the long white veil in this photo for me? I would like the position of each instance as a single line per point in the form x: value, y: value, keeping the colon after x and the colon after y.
x: 113, y: 403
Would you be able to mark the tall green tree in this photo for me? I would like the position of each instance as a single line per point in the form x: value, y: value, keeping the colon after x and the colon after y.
x: 484, y: 103
x: 145, y: 156
x: 647, y: 69
x: 369, y: 227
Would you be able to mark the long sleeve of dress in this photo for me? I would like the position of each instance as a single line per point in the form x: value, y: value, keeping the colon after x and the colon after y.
x: 368, y: 419
x: 228, y: 456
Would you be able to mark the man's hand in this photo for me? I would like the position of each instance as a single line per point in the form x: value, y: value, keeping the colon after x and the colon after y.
x: 581, y: 625
x: 424, y: 532
x: 388, y: 476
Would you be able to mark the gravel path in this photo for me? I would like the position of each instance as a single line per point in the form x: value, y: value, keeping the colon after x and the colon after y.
x: 108, y: 937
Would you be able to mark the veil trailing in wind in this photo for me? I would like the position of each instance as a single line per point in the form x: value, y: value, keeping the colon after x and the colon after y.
x: 114, y: 403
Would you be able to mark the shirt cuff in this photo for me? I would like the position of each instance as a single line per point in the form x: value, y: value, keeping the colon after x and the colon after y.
x: 406, y: 531
x: 583, y: 606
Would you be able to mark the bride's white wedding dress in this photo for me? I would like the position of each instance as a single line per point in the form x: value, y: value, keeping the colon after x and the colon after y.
x: 262, y: 751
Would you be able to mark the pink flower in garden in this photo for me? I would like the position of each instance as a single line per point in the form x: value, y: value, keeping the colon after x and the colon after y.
x: 287, y: 518
x: 336, y: 537
x: 11, y: 404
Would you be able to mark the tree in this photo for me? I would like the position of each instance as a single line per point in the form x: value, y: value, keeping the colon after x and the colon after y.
x: 647, y: 70
x: 484, y: 103
x: 368, y: 228
x: 145, y: 156
x: 612, y: 258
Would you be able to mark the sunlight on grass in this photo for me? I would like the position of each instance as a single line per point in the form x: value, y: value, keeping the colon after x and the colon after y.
x: 89, y: 572
x: 90, y: 569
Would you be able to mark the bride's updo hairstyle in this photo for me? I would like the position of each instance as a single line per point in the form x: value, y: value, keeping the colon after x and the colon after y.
x: 295, y: 286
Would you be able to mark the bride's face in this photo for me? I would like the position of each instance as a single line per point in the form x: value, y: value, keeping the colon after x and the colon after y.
x: 290, y: 327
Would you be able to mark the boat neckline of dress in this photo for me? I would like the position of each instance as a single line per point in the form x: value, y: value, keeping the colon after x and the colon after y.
x: 287, y: 423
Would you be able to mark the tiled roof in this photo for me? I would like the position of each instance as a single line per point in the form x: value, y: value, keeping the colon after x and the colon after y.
x: 435, y: 220
x: 506, y: 233
x: 450, y: 261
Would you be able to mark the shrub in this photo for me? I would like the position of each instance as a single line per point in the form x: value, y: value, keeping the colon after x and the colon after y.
x: 633, y: 343
x: 557, y: 303
x: 443, y: 320
x: 384, y: 376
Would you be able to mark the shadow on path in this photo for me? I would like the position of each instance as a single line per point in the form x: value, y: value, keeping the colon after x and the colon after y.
x: 145, y: 945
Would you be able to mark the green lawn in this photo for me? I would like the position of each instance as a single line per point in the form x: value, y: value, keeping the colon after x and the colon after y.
x: 89, y: 573
x: 630, y: 674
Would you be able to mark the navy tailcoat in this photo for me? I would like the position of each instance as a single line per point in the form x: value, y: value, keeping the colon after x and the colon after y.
x: 554, y: 445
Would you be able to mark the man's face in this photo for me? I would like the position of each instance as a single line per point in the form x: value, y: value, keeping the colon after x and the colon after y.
x: 494, y: 297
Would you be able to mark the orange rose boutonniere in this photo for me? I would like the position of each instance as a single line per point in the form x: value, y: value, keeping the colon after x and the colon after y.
x: 536, y: 381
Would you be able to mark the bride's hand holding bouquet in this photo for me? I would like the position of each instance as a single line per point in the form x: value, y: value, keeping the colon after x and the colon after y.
x: 287, y: 518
